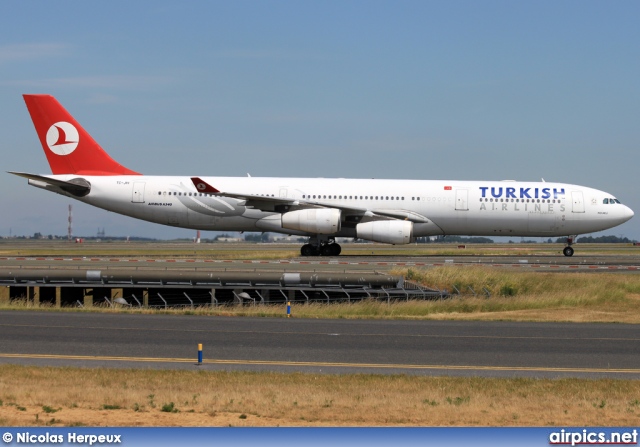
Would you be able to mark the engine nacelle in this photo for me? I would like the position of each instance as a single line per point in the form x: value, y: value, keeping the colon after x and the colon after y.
x: 317, y: 221
x: 397, y: 232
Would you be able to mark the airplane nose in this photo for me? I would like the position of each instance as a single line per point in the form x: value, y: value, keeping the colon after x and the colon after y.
x: 628, y: 213
x: 623, y: 214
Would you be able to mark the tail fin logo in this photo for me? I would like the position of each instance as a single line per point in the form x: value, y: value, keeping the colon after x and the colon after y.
x: 62, y: 138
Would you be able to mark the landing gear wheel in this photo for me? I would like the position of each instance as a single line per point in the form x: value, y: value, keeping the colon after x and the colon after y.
x: 568, y: 251
x: 308, y: 250
x: 330, y: 249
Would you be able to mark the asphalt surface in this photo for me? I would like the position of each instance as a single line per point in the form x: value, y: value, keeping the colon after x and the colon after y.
x: 341, y: 264
x: 491, y: 349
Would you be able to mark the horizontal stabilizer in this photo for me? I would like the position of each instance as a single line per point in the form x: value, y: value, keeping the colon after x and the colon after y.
x: 78, y: 187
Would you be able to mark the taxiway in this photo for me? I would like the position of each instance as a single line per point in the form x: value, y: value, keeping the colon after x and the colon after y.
x: 490, y: 349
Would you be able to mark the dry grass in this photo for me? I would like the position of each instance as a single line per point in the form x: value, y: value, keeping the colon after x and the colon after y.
x: 108, y: 397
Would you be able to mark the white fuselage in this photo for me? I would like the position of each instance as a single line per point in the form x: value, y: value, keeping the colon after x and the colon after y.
x: 450, y: 207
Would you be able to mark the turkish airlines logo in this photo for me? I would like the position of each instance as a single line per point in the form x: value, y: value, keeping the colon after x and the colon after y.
x: 201, y: 186
x: 62, y: 138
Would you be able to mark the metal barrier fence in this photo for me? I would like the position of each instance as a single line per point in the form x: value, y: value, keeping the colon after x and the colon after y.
x: 191, y: 289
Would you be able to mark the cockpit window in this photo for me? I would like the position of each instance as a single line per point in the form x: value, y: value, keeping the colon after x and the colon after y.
x: 617, y: 201
x: 605, y: 201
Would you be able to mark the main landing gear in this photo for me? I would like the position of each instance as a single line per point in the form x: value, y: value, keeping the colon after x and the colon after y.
x: 321, y: 247
x: 568, y: 250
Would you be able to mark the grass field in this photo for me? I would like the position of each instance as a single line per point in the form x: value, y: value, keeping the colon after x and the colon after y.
x: 110, y: 397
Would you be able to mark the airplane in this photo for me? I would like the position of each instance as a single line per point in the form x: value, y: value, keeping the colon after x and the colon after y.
x: 378, y: 210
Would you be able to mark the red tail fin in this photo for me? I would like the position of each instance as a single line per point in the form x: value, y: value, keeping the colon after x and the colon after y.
x: 68, y: 147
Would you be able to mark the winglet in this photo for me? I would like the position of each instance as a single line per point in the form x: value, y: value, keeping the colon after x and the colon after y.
x: 203, y: 186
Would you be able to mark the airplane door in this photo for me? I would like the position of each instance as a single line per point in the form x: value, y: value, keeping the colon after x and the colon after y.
x: 578, y: 201
x: 283, y: 193
x: 462, y: 199
x: 138, y: 192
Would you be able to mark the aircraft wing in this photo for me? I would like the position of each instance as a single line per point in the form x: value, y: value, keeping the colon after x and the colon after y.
x: 269, y: 203
x: 78, y: 186
x: 402, y: 215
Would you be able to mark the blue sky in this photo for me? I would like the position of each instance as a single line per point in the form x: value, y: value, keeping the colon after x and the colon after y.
x: 478, y: 90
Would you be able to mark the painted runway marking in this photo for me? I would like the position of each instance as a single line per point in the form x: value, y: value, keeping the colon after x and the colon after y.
x: 320, y: 364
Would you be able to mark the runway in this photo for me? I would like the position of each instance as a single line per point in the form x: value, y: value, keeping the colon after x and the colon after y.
x: 488, y: 349
x: 344, y: 264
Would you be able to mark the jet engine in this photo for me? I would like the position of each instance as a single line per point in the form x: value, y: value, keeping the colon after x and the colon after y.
x: 397, y: 232
x: 317, y: 221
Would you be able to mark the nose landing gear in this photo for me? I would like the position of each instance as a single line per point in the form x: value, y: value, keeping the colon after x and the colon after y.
x: 568, y: 250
